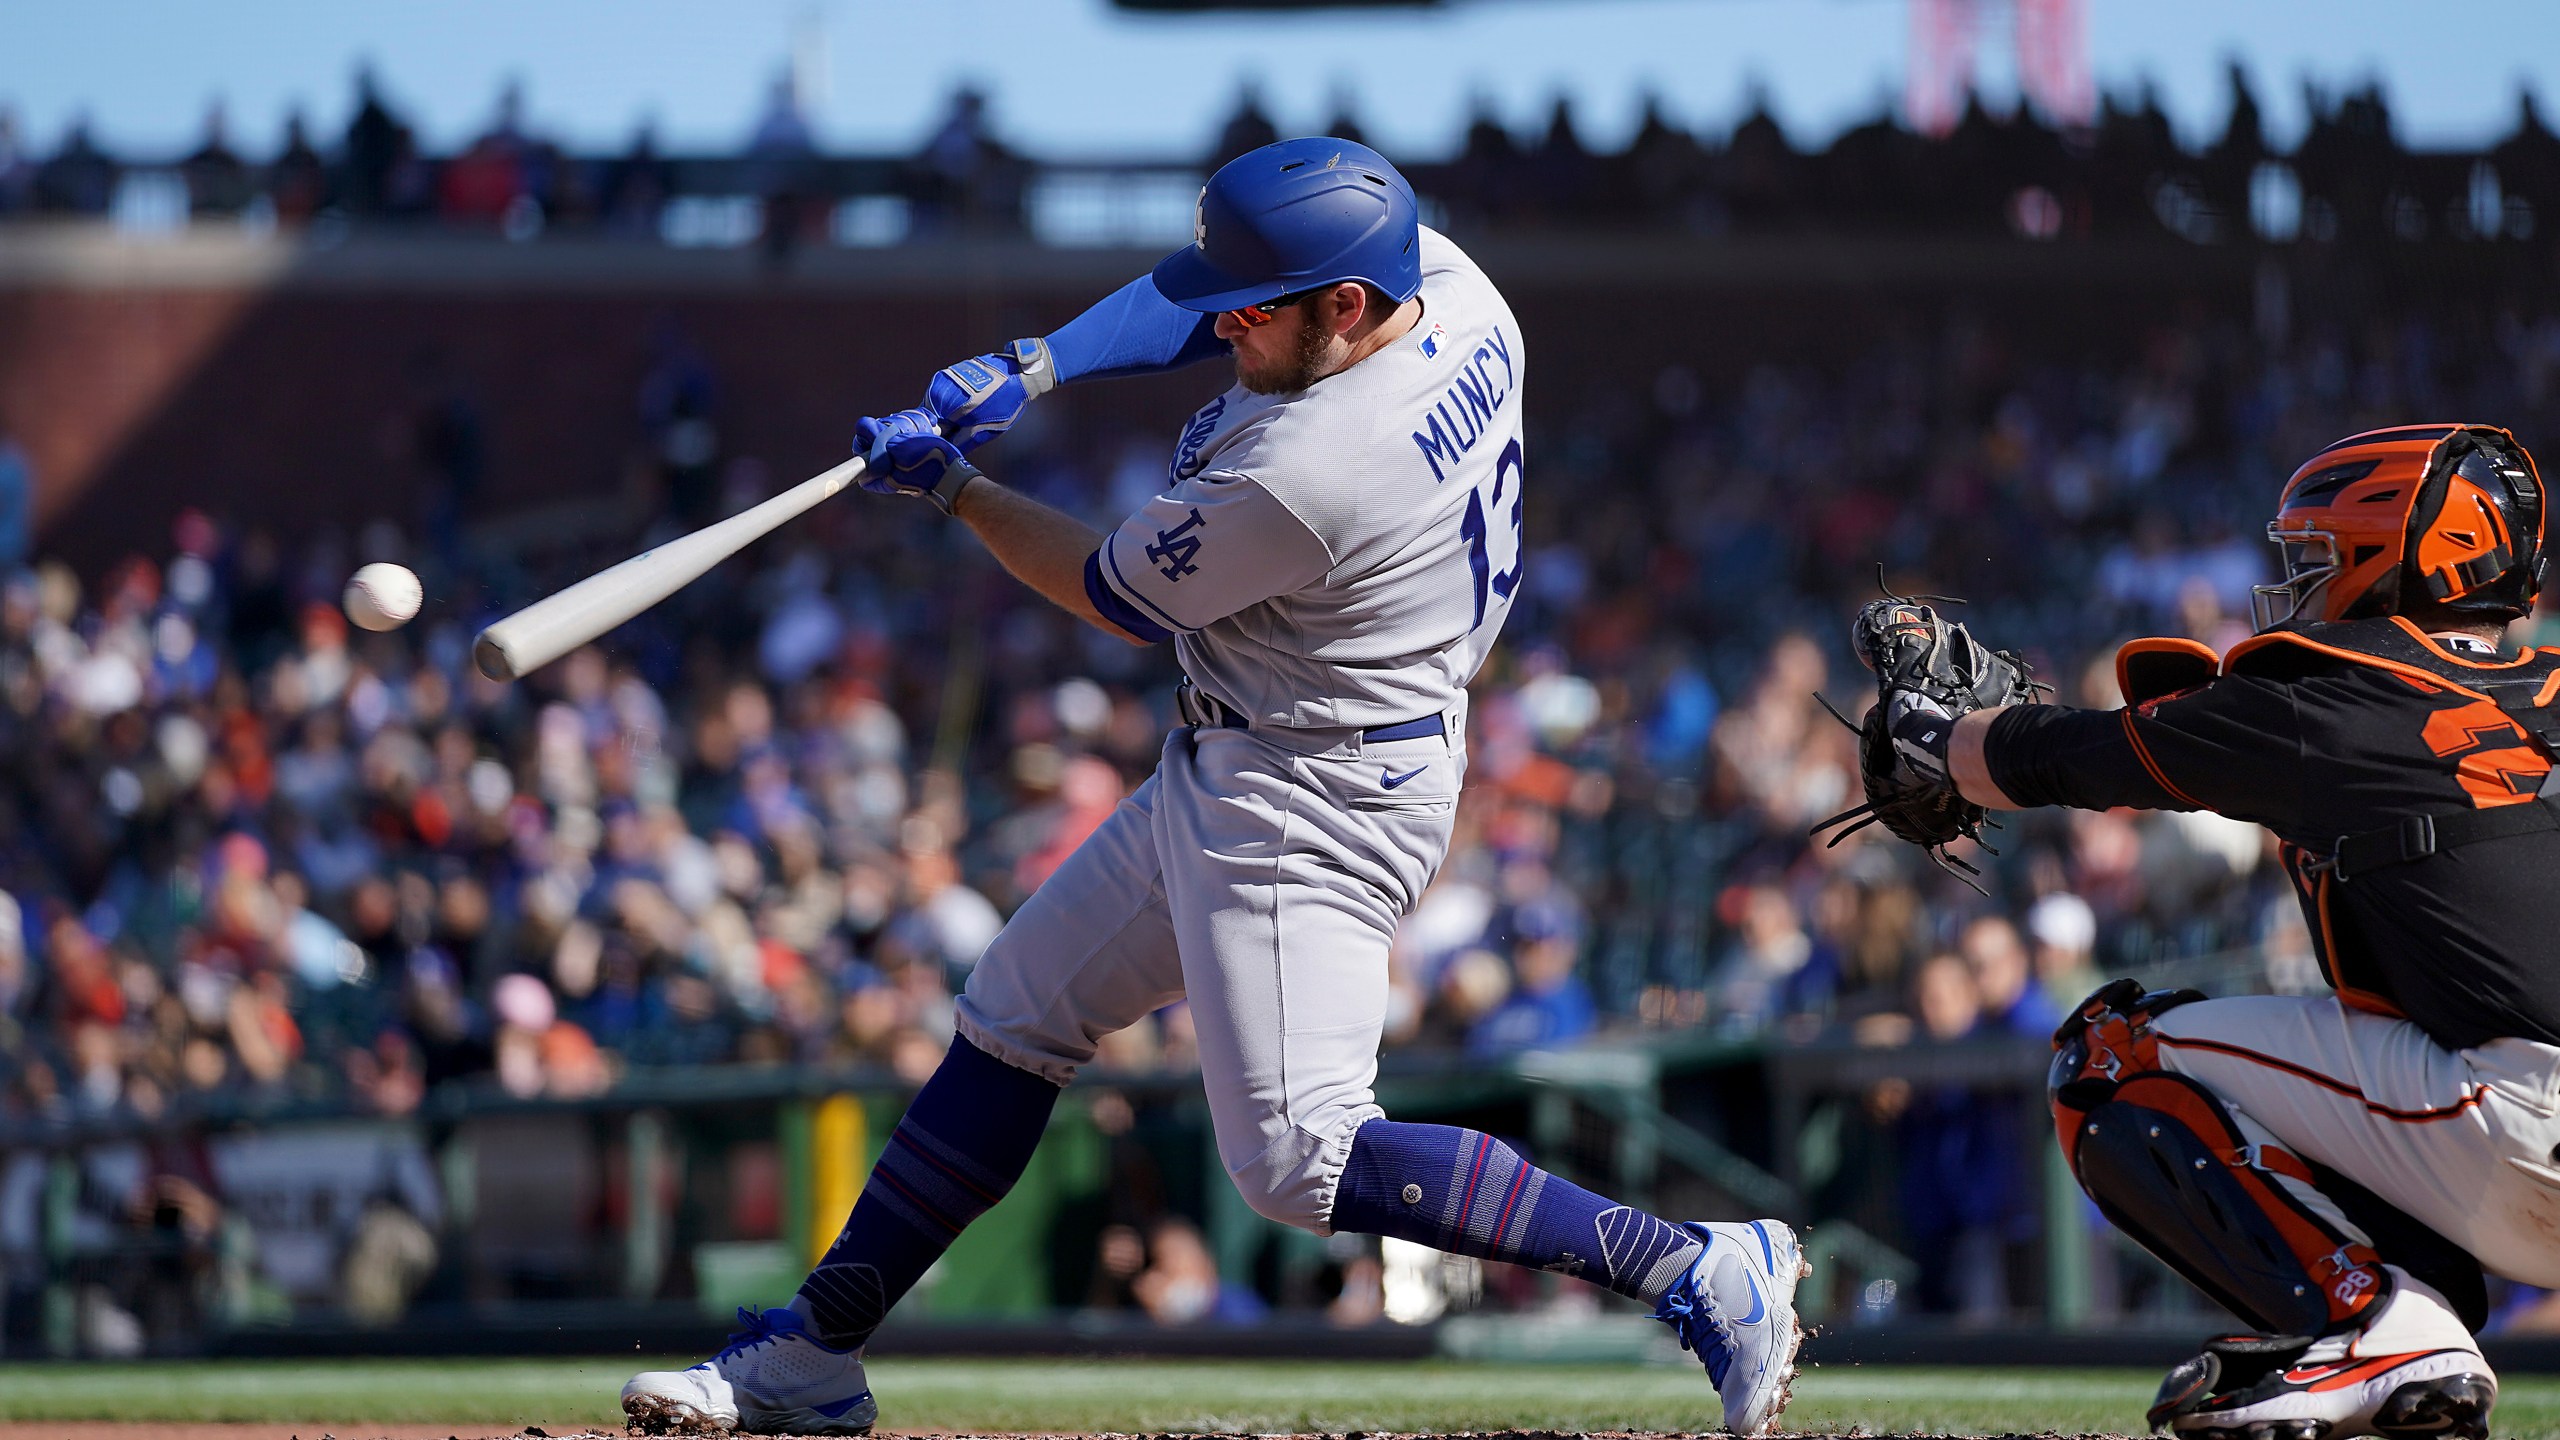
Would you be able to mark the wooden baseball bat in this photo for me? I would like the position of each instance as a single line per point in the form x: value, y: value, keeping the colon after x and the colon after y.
x: 559, y: 623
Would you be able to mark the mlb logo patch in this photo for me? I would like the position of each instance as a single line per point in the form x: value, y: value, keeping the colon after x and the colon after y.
x: 1434, y: 340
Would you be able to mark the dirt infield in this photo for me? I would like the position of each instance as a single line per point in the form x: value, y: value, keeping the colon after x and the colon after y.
x: 236, y: 1430
x: 155, y: 1430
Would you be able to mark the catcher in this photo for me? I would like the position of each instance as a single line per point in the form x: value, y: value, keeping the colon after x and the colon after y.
x: 2337, y: 1170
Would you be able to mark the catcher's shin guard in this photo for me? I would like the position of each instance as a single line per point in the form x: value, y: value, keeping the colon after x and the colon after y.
x: 2402, y: 1239
x: 2167, y: 1162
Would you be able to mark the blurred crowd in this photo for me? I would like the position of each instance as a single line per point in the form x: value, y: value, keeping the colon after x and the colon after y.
x: 250, y: 856
x: 247, y: 847
x: 2122, y: 173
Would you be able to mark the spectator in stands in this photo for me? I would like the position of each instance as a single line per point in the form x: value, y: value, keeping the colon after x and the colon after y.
x: 1962, y: 1176
x: 2064, y: 932
x: 505, y: 177
x: 943, y: 923
x: 17, y: 169
x: 160, y: 1284
x: 1774, y: 971
x: 965, y: 179
x: 17, y: 983
x: 218, y: 180
x: 1120, y: 1257
x: 381, y: 171
x: 1663, y: 174
x: 1344, y: 123
x: 1181, y: 1284
x: 17, y: 504
x: 387, y: 1259
x: 637, y: 186
x: 298, y: 179
x: 1547, y: 1004
x: 1247, y: 127
x: 80, y: 179
x: 1563, y: 177
x: 1485, y: 178
x: 783, y: 128
x: 677, y: 405
x: 2011, y: 996
x: 780, y: 155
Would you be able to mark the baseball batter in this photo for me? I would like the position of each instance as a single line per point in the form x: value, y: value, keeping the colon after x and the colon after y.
x: 1333, y: 554
x: 2338, y: 1171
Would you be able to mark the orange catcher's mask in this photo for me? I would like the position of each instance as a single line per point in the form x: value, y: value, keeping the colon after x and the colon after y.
x: 2386, y: 521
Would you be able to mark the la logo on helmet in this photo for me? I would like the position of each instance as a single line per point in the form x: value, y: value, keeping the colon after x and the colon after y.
x: 1200, y: 220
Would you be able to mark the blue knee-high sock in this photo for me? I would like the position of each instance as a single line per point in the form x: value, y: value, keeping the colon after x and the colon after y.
x: 1461, y: 1191
x: 962, y: 1144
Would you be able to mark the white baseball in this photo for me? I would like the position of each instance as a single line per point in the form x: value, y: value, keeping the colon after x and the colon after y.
x: 384, y: 596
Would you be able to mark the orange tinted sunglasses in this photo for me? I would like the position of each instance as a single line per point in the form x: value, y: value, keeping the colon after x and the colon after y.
x: 1254, y: 317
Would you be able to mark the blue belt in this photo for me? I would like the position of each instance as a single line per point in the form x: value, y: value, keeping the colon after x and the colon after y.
x: 1408, y: 730
x: 1225, y: 718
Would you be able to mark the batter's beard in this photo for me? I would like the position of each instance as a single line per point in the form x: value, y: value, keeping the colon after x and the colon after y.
x: 1304, y: 367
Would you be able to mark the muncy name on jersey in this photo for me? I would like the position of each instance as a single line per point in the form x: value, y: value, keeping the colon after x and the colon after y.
x: 1462, y: 416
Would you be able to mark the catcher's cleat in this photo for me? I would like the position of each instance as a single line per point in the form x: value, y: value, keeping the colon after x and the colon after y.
x: 772, y: 1378
x: 1736, y: 1309
x: 2275, y: 1387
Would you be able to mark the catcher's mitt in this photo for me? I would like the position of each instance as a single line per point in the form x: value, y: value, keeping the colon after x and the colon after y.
x: 1930, y: 672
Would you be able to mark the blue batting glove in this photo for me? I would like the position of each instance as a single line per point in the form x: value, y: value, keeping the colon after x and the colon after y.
x: 904, y: 456
x: 976, y: 400
x: 873, y: 434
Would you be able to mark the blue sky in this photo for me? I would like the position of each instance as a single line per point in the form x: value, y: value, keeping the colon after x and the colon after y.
x: 1074, y: 77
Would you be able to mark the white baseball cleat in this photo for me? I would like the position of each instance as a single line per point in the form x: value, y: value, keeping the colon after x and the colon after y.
x: 772, y: 1378
x: 1736, y: 1308
x: 2412, y: 1369
x: 2261, y: 1387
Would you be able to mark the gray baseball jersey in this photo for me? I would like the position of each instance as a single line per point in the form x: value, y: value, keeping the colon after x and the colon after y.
x: 1342, y: 556
x: 1332, y: 566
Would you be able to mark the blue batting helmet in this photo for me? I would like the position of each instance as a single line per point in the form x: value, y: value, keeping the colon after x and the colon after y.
x: 1293, y: 216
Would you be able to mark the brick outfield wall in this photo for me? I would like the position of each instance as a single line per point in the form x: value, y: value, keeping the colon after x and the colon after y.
x: 294, y: 402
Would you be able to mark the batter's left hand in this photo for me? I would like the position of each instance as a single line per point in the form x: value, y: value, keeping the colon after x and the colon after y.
x: 976, y: 400
x: 906, y: 455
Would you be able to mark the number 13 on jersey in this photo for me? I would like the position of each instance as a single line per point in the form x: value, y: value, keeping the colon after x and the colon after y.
x: 1508, y: 482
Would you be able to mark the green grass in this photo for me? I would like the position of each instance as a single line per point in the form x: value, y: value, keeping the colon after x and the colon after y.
x: 1059, y: 1395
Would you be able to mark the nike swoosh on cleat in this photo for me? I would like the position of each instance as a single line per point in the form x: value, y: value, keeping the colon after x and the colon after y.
x: 1392, y: 781
x: 1759, y: 1307
x: 2343, y: 1372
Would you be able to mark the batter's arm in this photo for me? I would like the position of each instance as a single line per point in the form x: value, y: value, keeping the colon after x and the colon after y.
x: 1132, y: 331
x: 1044, y: 548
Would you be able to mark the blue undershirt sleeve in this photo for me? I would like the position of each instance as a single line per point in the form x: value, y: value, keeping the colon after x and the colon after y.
x: 1132, y: 331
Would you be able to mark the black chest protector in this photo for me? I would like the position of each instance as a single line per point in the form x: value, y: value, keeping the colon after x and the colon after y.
x: 2525, y: 689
